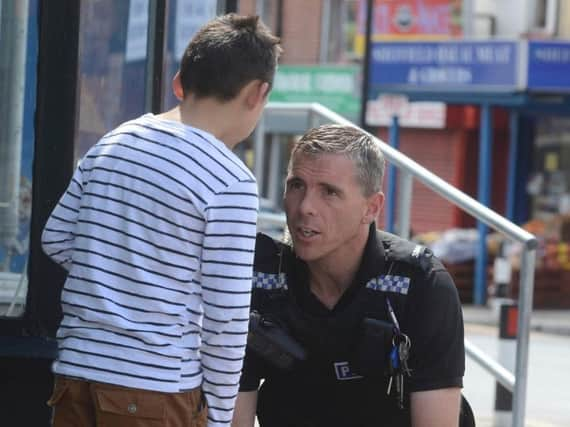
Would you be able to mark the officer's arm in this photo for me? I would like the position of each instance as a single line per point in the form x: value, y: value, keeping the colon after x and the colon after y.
x: 435, y: 408
x: 244, y: 412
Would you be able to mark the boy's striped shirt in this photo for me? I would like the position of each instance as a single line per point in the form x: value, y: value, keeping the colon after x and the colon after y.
x: 157, y: 232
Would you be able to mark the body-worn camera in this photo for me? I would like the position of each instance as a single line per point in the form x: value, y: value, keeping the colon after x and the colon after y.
x: 272, y: 342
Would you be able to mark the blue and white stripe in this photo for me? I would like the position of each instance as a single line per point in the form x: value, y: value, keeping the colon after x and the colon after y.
x: 390, y: 283
x: 269, y: 281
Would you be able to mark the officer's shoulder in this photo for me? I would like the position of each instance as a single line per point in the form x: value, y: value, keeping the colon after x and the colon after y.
x: 411, y: 253
x: 267, y: 253
x: 269, y: 282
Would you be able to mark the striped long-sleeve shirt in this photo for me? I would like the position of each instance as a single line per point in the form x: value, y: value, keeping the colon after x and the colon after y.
x: 157, y: 231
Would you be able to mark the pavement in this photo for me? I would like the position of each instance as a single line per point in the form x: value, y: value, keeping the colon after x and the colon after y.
x: 548, y: 376
x: 549, y: 321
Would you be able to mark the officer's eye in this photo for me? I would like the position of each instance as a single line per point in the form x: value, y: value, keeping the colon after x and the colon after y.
x: 294, y: 184
x: 331, y: 191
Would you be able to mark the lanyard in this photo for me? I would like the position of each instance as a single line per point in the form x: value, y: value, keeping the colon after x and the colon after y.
x: 390, y: 309
x: 393, y: 316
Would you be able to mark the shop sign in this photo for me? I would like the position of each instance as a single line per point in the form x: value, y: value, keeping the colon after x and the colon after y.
x: 445, y: 66
x: 409, y: 19
x: 428, y: 115
x: 336, y: 87
x: 549, y: 66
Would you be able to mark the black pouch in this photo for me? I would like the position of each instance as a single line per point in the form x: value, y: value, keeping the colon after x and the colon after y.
x: 371, y: 355
x: 273, y: 343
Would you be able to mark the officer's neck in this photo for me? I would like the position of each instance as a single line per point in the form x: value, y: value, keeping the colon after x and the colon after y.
x: 328, y: 292
x: 331, y: 277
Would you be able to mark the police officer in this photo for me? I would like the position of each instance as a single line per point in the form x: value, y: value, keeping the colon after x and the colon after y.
x: 350, y: 326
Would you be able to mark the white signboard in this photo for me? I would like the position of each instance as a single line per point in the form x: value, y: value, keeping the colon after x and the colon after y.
x: 430, y: 115
x: 190, y: 16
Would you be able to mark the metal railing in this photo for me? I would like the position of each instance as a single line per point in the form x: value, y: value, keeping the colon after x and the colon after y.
x: 517, y: 382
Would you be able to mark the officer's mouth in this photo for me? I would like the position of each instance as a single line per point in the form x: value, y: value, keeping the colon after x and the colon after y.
x: 306, y: 233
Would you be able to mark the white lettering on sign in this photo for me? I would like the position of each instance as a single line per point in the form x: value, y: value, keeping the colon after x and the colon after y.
x: 553, y: 54
x: 493, y: 55
x: 293, y: 82
x: 327, y: 82
x: 335, y: 82
x: 439, y: 75
x: 447, y: 54
x: 430, y: 115
x: 442, y: 54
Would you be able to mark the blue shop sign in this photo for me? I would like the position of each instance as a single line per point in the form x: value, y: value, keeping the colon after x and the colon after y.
x: 549, y: 66
x: 451, y: 66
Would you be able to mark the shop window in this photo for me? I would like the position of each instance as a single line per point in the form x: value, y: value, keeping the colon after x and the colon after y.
x: 113, y: 80
x: 339, y: 25
x: 112, y: 67
x: 18, y: 59
x: 270, y: 12
x: 545, y: 17
x: 549, y: 186
x: 185, y: 17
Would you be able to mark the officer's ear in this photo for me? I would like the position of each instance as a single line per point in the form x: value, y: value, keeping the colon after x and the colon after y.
x: 374, y: 205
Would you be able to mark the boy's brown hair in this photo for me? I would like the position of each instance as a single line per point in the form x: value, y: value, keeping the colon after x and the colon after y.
x: 226, y: 54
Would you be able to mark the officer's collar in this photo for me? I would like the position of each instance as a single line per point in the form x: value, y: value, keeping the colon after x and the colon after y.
x: 373, y: 259
x: 371, y: 265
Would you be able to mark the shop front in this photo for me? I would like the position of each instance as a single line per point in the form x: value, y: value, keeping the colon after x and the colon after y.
x: 518, y: 91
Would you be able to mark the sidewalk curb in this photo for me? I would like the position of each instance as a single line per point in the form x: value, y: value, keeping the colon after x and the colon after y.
x: 556, y: 322
x: 546, y: 329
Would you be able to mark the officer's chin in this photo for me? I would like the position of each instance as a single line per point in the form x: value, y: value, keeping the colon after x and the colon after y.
x: 304, y: 253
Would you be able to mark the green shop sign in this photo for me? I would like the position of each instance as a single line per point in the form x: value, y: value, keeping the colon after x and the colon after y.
x: 336, y: 87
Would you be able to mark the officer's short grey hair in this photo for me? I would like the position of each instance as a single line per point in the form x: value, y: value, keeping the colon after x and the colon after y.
x: 355, y: 144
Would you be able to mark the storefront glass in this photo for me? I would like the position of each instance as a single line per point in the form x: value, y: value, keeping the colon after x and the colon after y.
x: 185, y: 17
x: 18, y: 61
x: 112, y: 67
x: 549, y: 190
x: 550, y: 183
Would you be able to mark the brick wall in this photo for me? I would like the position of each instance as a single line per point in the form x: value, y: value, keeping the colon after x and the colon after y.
x: 246, y: 7
x: 301, y: 29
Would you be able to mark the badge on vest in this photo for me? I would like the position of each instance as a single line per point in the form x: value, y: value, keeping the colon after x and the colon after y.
x: 343, y: 372
x: 390, y: 283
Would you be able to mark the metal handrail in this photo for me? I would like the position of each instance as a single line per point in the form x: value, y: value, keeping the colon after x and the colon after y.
x: 502, y: 374
x: 516, y: 383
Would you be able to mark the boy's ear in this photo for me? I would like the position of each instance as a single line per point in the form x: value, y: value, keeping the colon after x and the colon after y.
x: 177, y: 87
x: 257, y: 92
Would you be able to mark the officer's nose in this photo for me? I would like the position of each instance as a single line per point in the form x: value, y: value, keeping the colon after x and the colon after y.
x: 307, y: 205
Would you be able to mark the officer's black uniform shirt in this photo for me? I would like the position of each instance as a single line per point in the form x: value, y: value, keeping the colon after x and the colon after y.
x: 329, y: 389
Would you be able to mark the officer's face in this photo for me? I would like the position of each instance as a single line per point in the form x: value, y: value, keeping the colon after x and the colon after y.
x: 327, y: 214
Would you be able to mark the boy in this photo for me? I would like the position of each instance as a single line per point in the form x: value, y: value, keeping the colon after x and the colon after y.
x: 156, y: 231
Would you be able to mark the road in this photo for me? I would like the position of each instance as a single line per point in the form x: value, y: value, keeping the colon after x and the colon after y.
x: 548, y: 393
